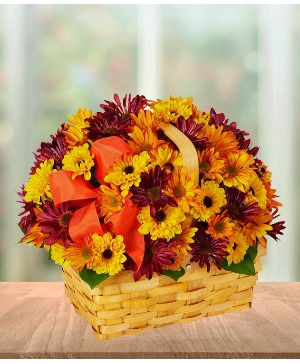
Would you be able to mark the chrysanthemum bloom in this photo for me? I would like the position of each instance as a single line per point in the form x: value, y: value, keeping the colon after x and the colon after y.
x: 210, y: 165
x: 58, y: 255
x: 76, y: 134
x: 145, y: 120
x: 258, y: 228
x: 34, y: 236
x: 143, y: 140
x: 192, y: 131
x: 165, y: 224
x: 158, y: 254
x: 223, y: 142
x: 170, y: 110
x: 37, y: 188
x: 237, y: 171
x: 182, y: 187
x: 79, y: 160
x: 185, y: 238
x: 151, y: 190
x: 167, y: 158
x: 206, y: 250
x: 55, y: 222
x: 55, y: 150
x: 110, y: 201
x: 80, y: 253
x: 257, y: 192
x: 236, y: 207
x: 237, y: 248
x: 199, y: 116
x: 220, y: 226
x: 126, y: 171
x: 124, y: 110
x: 209, y: 200
x: 108, y: 253
x: 28, y: 216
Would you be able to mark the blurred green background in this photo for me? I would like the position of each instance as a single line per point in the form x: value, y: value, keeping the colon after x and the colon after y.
x: 239, y: 59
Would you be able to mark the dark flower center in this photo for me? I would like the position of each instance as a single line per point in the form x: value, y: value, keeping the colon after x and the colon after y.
x: 154, y: 193
x: 231, y: 170
x: 111, y: 130
x: 128, y: 169
x: 125, y: 116
x: 160, y: 216
x: 204, y: 247
x: 149, y: 251
x: 234, y: 246
x: 170, y: 166
x: 219, y: 227
x: 146, y: 147
x: 65, y: 218
x: 86, y: 253
x: 114, y: 202
x: 207, y: 202
x: 107, y: 254
x: 179, y: 191
x: 263, y: 170
x: 204, y: 166
x: 233, y: 209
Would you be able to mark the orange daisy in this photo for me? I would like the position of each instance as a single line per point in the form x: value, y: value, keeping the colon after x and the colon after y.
x: 210, y: 164
x: 258, y: 228
x: 143, y: 140
x: 220, y: 227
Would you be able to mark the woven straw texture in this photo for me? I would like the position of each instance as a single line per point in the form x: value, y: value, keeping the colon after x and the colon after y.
x: 120, y: 306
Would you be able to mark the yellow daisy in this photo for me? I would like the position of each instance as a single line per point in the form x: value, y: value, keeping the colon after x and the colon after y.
x: 210, y: 164
x: 79, y: 160
x: 143, y: 140
x: 208, y: 201
x: 76, y: 134
x: 37, y: 188
x: 170, y: 110
x: 237, y: 171
x: 257, y: 192
x: 236, y: 248
x: 181, y: 186
x: 220, y: 226
x: 166, y: 157
x: 256, y: 230
x: 34, y: 236
x: 126, y: 171
x: 223, y: 141
x: 108, y: 254
x: 145, y: 120
x: 165, y: 224
x: 111, y: 201
x: 58, y: 255
x: 80, y: 253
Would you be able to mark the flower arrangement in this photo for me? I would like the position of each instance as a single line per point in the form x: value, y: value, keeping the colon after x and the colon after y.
x: 115, y: 190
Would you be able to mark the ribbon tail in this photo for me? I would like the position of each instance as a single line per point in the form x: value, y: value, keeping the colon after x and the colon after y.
x: 126, y: 223
x: 85, y: 221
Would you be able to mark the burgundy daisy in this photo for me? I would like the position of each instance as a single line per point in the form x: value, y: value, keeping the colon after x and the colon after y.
x: 206, y: 250
x: 55, y: 150
x: 158, y: 253
x: 28, y: 215
x: 151, y: 190
x: 192, y: 130
x: 236, y: 208
x: 219, y: 119
x: 124, y: 109
x: 55, y: 222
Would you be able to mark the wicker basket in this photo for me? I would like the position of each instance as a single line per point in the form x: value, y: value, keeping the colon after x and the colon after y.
x: 120, y: 306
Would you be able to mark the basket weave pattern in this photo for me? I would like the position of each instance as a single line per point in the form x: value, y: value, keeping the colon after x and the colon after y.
x: 120, y: 306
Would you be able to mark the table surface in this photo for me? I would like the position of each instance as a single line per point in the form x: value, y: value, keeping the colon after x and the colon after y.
x: 37, y: 321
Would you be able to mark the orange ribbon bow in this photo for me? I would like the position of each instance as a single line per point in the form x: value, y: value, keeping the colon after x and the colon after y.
x: 82, y: 194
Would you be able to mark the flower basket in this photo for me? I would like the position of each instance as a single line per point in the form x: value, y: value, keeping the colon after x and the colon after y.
x: 157, y: 212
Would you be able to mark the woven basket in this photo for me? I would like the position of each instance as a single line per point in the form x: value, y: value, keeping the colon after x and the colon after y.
x: 120, y: 306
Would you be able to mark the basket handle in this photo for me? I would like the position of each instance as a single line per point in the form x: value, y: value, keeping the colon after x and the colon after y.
x: 186, y: 147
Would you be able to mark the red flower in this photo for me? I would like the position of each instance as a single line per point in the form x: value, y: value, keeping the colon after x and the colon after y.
x: 158, y: 253
x: 28, y: 215
x: 206, y: 250
x: 192, y: 130
x: 55, y: 222
x: 151, y: 190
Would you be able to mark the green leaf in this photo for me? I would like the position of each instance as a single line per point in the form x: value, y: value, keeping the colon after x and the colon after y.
x: 246, y: 266
x: 252, y: 251
x: 92, y: 278
x: 49, y: 253
x: 175, y: 274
